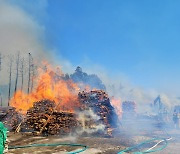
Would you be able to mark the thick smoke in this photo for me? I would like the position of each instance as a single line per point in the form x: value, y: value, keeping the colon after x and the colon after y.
x: 21, y: 33
x: 143, y: 97
x: 121, y: 88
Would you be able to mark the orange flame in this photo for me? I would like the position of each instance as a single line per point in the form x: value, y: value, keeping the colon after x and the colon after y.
x: 116, y: 103
x: 52, y: 86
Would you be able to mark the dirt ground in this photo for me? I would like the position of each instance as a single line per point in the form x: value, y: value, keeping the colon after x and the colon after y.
x: 174, y: 144
x: 96, y: 145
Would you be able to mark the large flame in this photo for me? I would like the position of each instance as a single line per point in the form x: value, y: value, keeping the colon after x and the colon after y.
x: 52, y: 86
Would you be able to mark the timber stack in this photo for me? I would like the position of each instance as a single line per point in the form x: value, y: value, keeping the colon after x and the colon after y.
x: 10, y: 117
x: 98, y: 101
x: 44, y: 116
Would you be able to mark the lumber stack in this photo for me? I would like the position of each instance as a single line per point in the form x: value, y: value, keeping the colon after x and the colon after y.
x: 43, y: 114
x: 99, y: 102
x: 11, y: 118
x: 45, y: 117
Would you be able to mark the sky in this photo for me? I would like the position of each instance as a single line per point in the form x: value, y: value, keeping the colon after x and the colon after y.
x: 139, y: 39
x: 137, y: 42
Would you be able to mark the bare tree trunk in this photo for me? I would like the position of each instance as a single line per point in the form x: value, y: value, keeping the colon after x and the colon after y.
x: 0, y: 61
x: 10, y: 74
x: 0, y: 66
x: 22, y: 74
x: 17, y: 73
x: 29, y: 76
x: 32, y: 78
x: 1, y: 99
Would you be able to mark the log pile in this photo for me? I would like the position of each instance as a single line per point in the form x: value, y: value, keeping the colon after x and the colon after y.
x: 99, y: 102
x: 11, y: 118
x: 43, y: 114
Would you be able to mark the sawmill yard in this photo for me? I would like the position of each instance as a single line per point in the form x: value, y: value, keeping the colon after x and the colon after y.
x: 90, y: 77
x: 59, y: 117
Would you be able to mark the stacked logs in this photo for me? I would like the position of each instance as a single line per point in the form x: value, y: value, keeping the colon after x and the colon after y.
x: 93, y: 96
x: 99, y: 102
x: 44, y: 116
x: 11, y: 118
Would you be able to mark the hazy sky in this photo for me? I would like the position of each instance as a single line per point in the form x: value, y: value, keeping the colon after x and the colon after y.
x: 140, y: 39
x: 137, y: 38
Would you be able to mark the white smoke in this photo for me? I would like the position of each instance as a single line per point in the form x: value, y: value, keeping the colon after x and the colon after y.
x: 20, y: 32
x: 143, y: 97
x: 88, y: 116
x: 119, y: 86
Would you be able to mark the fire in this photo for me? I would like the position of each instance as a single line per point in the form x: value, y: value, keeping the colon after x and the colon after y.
x: 52, y: 86
x: 116, y: 103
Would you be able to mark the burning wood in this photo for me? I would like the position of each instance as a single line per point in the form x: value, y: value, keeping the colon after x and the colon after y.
x: 99, y: 102
x: 47, y: 117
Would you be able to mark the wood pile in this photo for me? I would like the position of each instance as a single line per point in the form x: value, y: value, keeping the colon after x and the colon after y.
x: 99, y: 102
x: 43, y: 114
x: 11, y: 118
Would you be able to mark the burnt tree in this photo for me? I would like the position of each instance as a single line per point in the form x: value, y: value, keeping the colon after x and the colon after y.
x: 10, y: 78
x: 22, y: 73
x: 29, y: 72
x: 17, y: 73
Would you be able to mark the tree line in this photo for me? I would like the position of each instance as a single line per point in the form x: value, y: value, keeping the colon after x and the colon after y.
x: 18, y: 68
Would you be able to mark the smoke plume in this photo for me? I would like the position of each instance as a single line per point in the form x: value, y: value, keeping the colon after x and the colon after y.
x: 86, y: 117
x: 21, y: 33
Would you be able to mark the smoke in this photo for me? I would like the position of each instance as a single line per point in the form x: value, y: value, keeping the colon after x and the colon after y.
x: 122, y: 89
x: 90, y: 122
x: 20, y: 32
x: 143, y: 97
